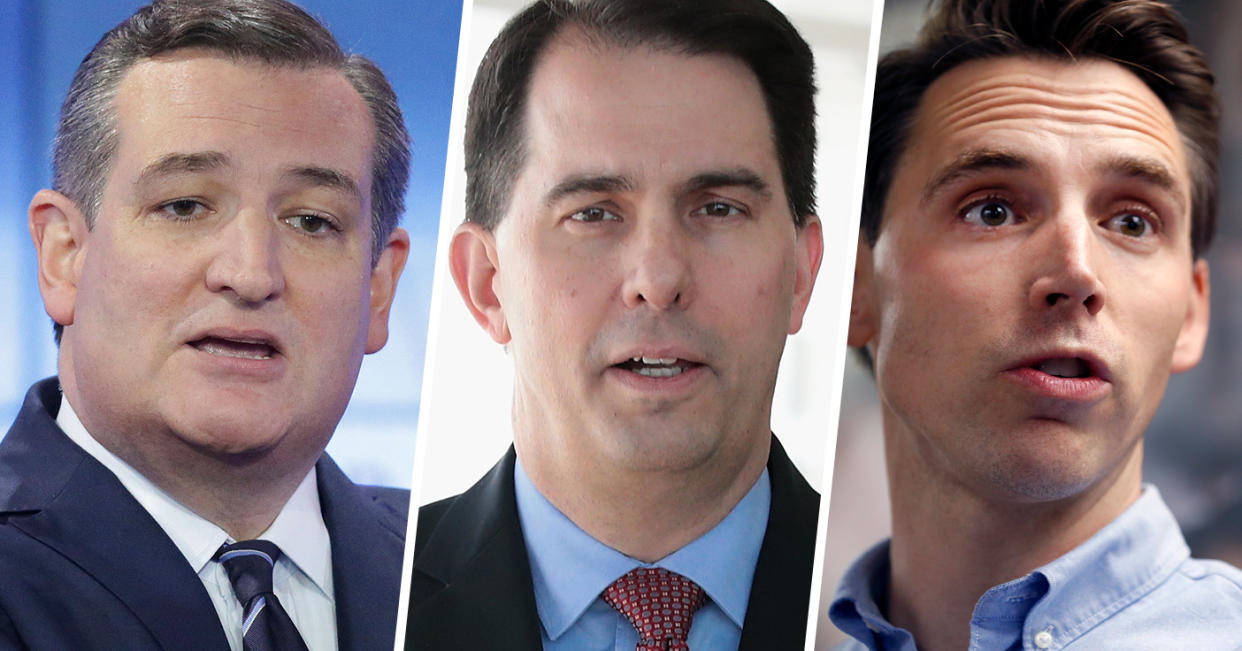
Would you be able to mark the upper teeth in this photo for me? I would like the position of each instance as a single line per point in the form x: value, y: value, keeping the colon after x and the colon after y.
x: 665, y: 361
x: 1062, y: 367
x: 241, y: 353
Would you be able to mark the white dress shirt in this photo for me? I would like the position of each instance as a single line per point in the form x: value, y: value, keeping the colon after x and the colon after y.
x: 302, y: 578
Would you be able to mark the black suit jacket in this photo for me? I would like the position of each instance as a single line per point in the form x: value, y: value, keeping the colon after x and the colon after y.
x: 84, y: 566
x: 471, y: 586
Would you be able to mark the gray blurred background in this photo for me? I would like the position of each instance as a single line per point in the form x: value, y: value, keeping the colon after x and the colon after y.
x: 1194, y: 445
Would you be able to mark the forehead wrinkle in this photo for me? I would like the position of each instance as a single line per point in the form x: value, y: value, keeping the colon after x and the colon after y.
x: 1001, y: 101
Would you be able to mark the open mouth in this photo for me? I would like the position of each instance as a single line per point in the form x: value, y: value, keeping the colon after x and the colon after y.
x: 1065, y: 367
x: 235, y: 348
x: 657, y: 367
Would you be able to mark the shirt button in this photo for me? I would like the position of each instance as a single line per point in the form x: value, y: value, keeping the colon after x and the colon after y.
x: 1043, y: 639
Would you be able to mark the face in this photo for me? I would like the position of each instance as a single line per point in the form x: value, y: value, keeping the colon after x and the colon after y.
x: 1032, y: 287
x: 648, y: 270
x: 225, y: 295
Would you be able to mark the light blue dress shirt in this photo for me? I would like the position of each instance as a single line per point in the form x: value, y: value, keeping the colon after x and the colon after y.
x: 570, y: 569
x: 1131, y: 586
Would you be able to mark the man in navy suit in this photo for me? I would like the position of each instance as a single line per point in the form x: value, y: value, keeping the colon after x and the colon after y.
x: 641, y: 237
x: 218, y: 252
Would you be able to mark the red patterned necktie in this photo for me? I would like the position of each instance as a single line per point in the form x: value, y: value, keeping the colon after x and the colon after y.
x: 659, y: 604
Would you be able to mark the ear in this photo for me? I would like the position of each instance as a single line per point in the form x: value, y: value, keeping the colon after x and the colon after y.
x: 476, y: 269
x: 59, y: 231
x: 384, y: 277
x: 1190, y: 340
x: 862, y: 306
x: 809, y: 253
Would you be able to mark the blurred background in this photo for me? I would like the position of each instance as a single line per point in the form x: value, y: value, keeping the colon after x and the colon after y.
x: 1194, y: 445
x: 415, y: 43
x: 465, y: 424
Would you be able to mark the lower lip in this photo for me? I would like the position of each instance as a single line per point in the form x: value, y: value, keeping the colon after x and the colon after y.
x: 673, y: 384
x: 1073, y: 389
x: 245, y: 368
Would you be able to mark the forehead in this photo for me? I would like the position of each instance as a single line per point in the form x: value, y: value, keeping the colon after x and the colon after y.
x: 644, y: 111
x: 256, y: 114
x: 1056, y: 114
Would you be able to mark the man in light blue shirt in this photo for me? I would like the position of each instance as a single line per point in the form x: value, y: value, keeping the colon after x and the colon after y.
x: 641, y: 236
x: 1039, y: 196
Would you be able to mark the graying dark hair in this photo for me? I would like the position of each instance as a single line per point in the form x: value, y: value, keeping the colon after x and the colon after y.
x: 273, y: 32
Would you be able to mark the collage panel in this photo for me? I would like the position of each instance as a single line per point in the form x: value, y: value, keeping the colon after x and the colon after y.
x: 630, y: 183
x: 215, y: 313
x: 1038, y: 275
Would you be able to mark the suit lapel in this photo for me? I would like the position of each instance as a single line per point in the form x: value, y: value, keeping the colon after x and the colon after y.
x: 368, y: 542
x: 78, y: 508
x: 471, y: 585
x: 776, y: 614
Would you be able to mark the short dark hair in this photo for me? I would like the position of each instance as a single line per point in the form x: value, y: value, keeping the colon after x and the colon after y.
x: 752, y: 31
x: 1144, y: 36
x: 273, y: 32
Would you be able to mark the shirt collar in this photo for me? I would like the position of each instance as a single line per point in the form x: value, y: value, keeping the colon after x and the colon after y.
x: 570, y: 569
x: 1119, y: 564
x: 298, y: 530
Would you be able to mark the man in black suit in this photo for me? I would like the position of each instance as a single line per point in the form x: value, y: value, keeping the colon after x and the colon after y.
x: 641, y: 236
x: 218, y: 253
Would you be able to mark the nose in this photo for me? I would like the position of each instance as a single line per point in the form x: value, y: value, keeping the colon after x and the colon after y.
x: 1068, y: 273
x: 246, y: 261
x: 659, y: 273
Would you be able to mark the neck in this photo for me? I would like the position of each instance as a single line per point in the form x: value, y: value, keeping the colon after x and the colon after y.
x: 644, y: 513
x: 241, y: 494
x: 951, y: 543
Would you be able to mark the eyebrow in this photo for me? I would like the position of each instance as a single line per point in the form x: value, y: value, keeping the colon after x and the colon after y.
x: 327, y: 178
x: 587, y: 183
x: 182, y: 163
x: 1148, y: 170
x: 738, y: 178
x: 973, y: 162
x: 207, y: 161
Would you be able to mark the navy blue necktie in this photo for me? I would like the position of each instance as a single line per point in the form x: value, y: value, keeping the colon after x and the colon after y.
x: 265, y: 625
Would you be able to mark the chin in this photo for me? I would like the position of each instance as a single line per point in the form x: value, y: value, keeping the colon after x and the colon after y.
x: 1033, y: 476
x: 233, y: 435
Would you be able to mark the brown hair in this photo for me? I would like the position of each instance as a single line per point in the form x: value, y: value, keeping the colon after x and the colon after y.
x: 752, y: 31
x: 1144, y: 36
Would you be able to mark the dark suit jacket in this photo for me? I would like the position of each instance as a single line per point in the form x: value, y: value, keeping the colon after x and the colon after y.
x: 83, y: 566
x: 471, y: 586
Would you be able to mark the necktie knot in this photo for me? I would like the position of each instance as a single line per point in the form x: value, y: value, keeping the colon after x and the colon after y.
x: 249, y: 565
x: 659, y: 603
x: 265, y: 624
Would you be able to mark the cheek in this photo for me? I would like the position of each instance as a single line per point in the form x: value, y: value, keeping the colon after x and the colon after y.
x: 1150, y: 327
x: 138, y: 284
x: 936, y: 304
x: 549, y: 292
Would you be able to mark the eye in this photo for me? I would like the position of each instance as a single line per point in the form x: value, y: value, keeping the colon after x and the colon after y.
x: 719, y: 209
x: 311, y: 224
x: 1129, y: 223
x: 181, y: 209
x: 990, y: 213
x: 594, y: 214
